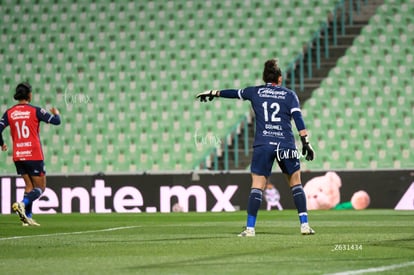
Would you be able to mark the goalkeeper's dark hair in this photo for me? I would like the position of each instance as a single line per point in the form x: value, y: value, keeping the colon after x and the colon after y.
x: 271, y: 71
x: 22, y: 91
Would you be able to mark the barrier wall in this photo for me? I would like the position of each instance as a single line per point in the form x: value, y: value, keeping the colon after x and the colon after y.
x: 193, y: 192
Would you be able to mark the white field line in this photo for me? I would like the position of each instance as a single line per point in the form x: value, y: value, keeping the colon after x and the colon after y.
x: 69, y: 233
x: 374, y: 269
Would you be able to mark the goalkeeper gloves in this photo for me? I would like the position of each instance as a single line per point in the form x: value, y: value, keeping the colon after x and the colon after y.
x: 207, y: 94
x: 307, y: 149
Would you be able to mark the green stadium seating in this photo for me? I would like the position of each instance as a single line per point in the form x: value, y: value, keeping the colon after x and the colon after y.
x: 124, y: 74
x: 370, y: 93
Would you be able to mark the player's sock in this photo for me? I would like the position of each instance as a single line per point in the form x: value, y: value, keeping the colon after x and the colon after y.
x: 28, y: 209
x: 255, y: 200
x: 32, y: 196
x: 28, y: 205
x: 299, y: 198
x: 25, y: 199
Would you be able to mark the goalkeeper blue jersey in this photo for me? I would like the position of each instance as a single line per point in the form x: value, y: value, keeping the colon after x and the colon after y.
x: 273, y: 107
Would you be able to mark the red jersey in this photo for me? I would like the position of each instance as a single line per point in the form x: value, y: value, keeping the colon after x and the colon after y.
x: 24, y: 120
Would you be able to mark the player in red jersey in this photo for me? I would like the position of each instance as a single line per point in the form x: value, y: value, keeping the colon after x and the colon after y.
x: 24, y: 119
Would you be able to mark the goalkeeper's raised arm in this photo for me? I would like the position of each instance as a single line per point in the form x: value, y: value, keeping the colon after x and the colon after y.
x: 274, y: 107
x: 210, y: 95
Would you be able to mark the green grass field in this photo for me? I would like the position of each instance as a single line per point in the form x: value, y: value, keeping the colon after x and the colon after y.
x: 351, y: 242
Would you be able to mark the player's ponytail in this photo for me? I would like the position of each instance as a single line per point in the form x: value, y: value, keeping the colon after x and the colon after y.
x: 22, y: 91
x: 271, y: 71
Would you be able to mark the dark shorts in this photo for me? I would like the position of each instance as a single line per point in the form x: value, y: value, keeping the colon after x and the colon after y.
x: 30, y: 167
x: 265, y: 155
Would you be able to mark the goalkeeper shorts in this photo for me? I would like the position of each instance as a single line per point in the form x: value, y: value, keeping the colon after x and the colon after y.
x: 265, y: 155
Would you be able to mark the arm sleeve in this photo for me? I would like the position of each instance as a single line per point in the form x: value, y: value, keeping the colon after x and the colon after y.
x: 297, y: 117
x: 3, y: 124
x: 296, y: 113
x: 243, y: 94
x: 230, y: 93
x: 47, y: 117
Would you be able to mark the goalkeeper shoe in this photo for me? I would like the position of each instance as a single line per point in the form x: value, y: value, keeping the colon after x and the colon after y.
x: 18, y: 207
x: 305, y: 229
x: 247, y: 233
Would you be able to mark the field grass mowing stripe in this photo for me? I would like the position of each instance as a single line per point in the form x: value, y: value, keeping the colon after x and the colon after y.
x: 374, y: 269
x: 69, y: 233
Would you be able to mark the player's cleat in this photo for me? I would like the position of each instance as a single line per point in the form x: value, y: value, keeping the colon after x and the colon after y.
x: 247, y: 233
x: 32, y: 222
x: 18, y: 207
x: 305, y: 229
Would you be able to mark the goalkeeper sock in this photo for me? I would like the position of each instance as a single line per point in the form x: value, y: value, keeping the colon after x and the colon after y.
x: 300, y: 201
x: 253, y: 205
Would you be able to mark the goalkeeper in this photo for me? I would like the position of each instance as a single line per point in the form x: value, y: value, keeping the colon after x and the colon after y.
x: 274, y: 107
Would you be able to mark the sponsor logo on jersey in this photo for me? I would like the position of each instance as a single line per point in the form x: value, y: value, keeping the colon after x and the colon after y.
x: 266, y: 92
x: 272, y: 133
x: 23, y: 153
x: 20, y: 115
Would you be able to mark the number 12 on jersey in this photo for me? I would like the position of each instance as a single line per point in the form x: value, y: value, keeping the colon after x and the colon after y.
x: 274, y: 109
